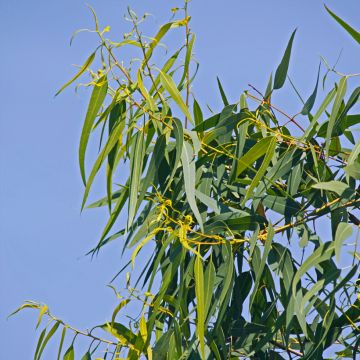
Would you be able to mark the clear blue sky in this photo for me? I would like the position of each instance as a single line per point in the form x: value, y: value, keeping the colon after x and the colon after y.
x: 43, y: 236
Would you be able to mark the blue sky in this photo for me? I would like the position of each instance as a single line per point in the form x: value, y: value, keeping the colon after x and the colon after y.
x: 43, y: 237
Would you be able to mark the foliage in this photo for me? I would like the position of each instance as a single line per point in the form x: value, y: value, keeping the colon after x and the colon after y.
x: 224, y: 207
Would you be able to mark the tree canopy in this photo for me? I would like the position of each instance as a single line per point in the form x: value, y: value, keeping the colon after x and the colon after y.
x: 222, y: 208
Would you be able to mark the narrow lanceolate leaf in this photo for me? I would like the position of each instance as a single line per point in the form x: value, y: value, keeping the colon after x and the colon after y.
x: 343, y: 231
x: 187, y: 59
x: 116, y: 117
x: 354, y: 153
x: 143, y: 329
x: 355, y: 34
x: 118, y: 308
x: 47, y: 338
x: 281, y: 71
x: 144, y: 92
x: 222, y: 93
x: 210, y: 275
x: 200, y: 304
x: 188, y: 163
x: 179, y: 140
x: 63, y: 333
x: 259, y: 271
x: 198, y: 115
x: 256, y: 152
x: 311, y: 100
x: 112, y: 141
x: 86, y: 65
x: 336, y: 186
x: 43, y: 311
x: 170, y: 86
x: 322, y: 253
x: 136, y: 164
x: 334, y: 112
x: 97, y: 98
x: 69, y: 355
x: 161, y: 33
x: 263, y: 168
x: 40, y: 340
x: 312, y: 127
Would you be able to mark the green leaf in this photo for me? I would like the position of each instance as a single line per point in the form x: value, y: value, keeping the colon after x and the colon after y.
x: 40, y: 340
x: 354, y: 153
x: 353, y: 170
x: 222, y: 93
x: 312, y: 127
x: 281, y: 71
x: 355, y: 34
x: 170, y: 86
x: 281, y: 205
x: 343, y: 231
x: 47, y: 338
x: 257, y: 151
x: 116, y: 118
x: 121, y: 332
x: 198, y: 115
x: 336, y: 186
x: 200, y: 303
x: 179, y: 141
x: 118, y: 308
x: 209, y: 278
x: 42, y: 312
x: 111, y: 143
x: 69, y: 355
x: 259, y: 271
x: 85, y: 66
x: 322, y: 253
x: 136, y: 165
x: 87, y: 356
x: 262, y: 170
x: 188, y: 163
x: 97, y: 98
x: 63, y: 333
x: 160, y: 34
x: 187, y: 59
x: 311, y: 100
x: 150, y: 101
x: 334, y: 112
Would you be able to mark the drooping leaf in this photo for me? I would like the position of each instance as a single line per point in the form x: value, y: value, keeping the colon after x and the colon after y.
x: 259, y: 271
x: 170, y: 86
x: 97, y: 98
x: 200, y: 303
x: 63, y: 334
x: 136, y: 164
x: 47, y: 338
x: 343, y: 231
x: 83, y: 68
x: 188, y: 163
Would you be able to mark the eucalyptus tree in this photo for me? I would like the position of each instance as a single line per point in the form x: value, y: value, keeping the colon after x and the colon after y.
x: 221, y: 210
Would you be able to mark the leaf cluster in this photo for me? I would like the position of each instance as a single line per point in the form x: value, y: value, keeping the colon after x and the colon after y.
x: 226, y: 210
